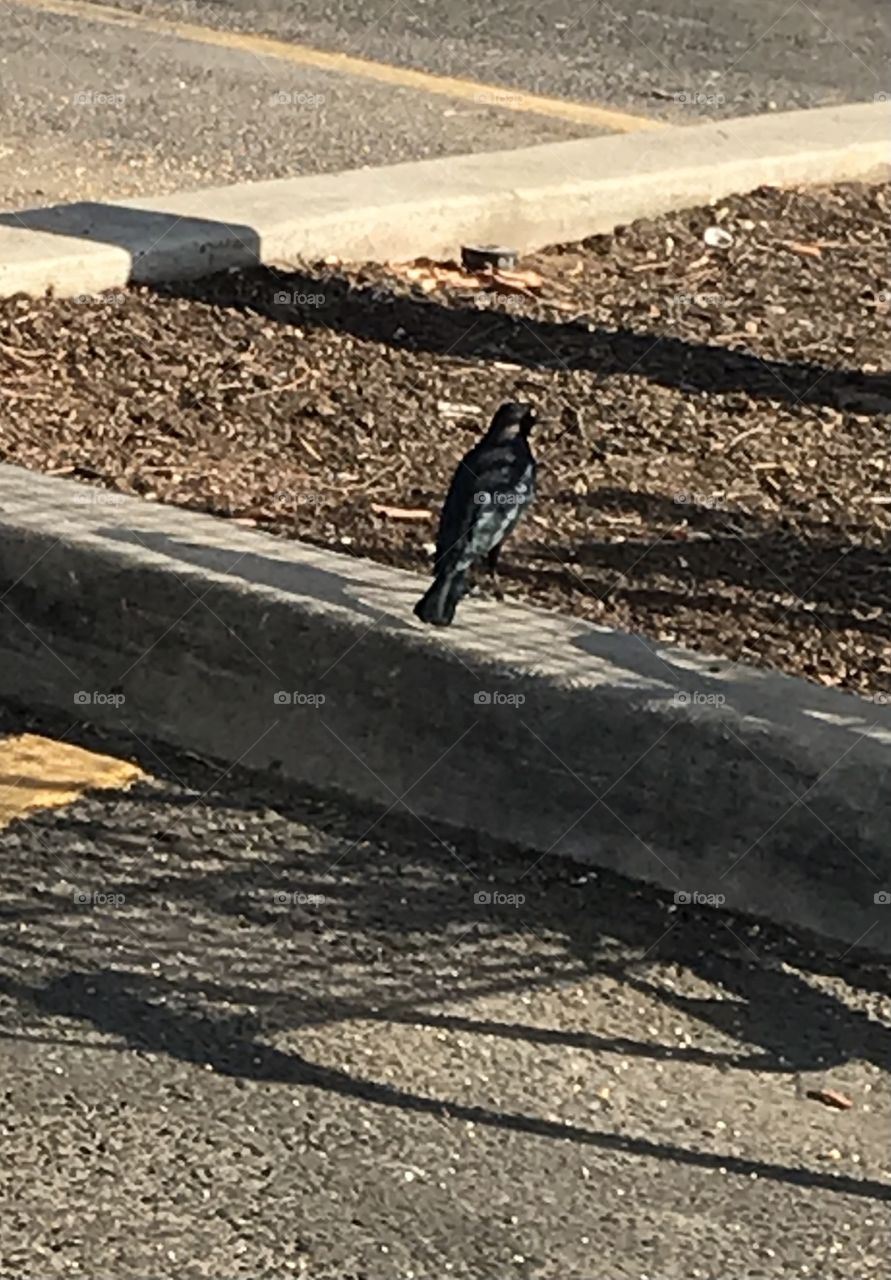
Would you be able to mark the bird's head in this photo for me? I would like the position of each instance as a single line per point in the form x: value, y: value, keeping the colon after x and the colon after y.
x: 512, y: 420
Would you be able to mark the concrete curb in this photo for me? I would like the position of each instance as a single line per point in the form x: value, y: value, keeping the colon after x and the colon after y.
x: 661, y: 764
x: 527, y: 198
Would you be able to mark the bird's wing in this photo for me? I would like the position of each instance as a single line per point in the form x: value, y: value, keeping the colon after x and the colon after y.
x: 507, y: 486
x: 456, y: 518
x: 473, y: 520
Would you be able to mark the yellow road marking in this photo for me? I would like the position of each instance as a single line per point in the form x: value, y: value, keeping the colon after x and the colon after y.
x: 583, y: 113
x: 38, y: 773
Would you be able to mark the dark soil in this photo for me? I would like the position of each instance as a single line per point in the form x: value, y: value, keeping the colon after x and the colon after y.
x: 714, y: 460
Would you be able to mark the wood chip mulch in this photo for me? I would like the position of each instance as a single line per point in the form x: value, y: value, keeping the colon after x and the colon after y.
x: 715, y: 463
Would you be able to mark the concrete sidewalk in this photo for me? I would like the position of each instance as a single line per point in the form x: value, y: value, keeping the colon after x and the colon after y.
x: 756, y: 790
x: 528, y: 198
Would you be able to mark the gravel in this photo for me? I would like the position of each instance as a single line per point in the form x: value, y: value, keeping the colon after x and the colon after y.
x: 714, y: 463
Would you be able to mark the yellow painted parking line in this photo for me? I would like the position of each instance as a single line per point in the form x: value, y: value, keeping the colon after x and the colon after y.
x: 38, y: 773
x: 583, y: 113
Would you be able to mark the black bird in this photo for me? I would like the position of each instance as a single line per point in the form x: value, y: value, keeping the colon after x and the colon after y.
x: 489, y: 490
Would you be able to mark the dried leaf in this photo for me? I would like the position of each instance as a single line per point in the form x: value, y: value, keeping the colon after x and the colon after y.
x: 428, y: 276
x: 310, y: 449
x: 517, y: 281
x: 831, y: 1098
x: 799, y: 246
x: 436, y: 275
x: 454, y: 409
x: 400, y: 513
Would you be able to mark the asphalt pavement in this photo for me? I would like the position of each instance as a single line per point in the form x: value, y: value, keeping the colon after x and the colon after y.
x: 255, y: 1033
x: 120, y: 111
x: 756, y: 56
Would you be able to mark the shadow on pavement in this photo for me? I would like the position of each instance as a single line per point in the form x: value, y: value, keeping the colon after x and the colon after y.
x: 399, y: 936
x: 140, y: 232
x: 123, y: 1004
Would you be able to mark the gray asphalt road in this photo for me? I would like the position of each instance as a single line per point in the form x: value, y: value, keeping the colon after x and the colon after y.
x: 250, y: 1034
x: 623, y: 52
x: 118, y: 112
x: 91, y: 111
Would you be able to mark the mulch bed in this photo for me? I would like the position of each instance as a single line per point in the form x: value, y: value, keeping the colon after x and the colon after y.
x: 715, y: 468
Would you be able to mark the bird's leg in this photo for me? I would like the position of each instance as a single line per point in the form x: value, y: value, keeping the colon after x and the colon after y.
x: 471, y: 582
x: 492, y: 570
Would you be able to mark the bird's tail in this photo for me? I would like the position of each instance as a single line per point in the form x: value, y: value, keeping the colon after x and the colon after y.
x: 439, y: 603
